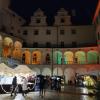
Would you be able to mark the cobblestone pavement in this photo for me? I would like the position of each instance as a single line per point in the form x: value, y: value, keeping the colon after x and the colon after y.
x: 69, y: 93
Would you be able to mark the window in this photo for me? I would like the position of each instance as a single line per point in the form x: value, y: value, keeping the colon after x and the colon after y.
x: 11, y: 34
x: 36, y: 32
x: 48, y: 32
x: 25, y: 32
x: 24, y: 44
x: 20, y: 19
x: 74, y: 44
x: 38, y: 20
x: 48, y: 44
x: 35, y: 44
x: 62, y: 32
x: 12, y: 28
x: 3, y: 28
x: 62, y: 20
x: 73, y: 31
x: 19, y: 31
x: 13, y: 15
x: 62, y: 43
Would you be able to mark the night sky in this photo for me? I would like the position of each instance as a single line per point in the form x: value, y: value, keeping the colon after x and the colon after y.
x: 84, y: 9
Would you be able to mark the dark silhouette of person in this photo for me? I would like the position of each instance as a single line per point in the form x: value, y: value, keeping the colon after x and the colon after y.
x: 14, y: 86
x: 41, y: 85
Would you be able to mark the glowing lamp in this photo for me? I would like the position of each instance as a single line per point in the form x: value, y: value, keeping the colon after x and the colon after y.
x: 8, y: 41
x: 17, y: 44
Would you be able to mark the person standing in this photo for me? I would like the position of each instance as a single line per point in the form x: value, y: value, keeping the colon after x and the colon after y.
x: 24, y: 86
x: 41, y: 85
x: 14, y: 86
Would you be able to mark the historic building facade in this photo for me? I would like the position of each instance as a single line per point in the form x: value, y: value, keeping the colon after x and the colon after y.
x: 60, y: 49
x: 61, y: 34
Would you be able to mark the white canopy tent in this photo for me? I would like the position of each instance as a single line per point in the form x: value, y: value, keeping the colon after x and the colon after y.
x: 24, y: 70
x: 6, y: 74
x: 5, y: 70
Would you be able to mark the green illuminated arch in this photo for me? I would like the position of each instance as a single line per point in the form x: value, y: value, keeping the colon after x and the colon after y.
x: 57, y: 56
x: 81, y: 57
x: 92, y: 57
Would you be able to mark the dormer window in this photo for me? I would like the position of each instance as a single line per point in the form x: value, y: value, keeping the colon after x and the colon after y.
x: 62, y: 20
x: 38, y: 20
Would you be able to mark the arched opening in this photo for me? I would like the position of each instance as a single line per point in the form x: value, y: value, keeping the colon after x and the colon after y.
x: 26, y: 57
x: 7, y: 46
x: 36, y: 57
x: 57, y: 56
x: 37, y: 70
x: 17, y: 52
x: 46, y: 71
x: 92, y: 57
x: 18, y: 45
x: 57, y: 72
x: 68, y: 57
x: 69, y: 75
x: 80, y: 57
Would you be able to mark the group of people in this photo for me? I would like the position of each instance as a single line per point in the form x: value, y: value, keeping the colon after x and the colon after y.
x: 43, y: 83
x: 16, y: 88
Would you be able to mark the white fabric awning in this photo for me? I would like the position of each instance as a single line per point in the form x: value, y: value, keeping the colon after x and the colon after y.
x: 23, y: 69
x: 5, y: 70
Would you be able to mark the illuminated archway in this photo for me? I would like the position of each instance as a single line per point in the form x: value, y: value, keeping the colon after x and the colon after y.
x: 92, y: 57
x: 36, y: 57
x: 81, y: 57
x: 57, y: 56
x: 7, y: 46
x: 26, y: 57
x: 57, y: 71
x: 69, y: 75
x: 18, y: 45
x: 46, y: 71
x: 37, y: 70
x: 68, y: 57
x: 17, y: 52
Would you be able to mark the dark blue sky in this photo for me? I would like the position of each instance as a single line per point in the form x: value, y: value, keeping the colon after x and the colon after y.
x: 84, y: 8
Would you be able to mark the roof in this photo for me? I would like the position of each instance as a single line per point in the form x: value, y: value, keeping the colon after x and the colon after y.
x: 82, y: 11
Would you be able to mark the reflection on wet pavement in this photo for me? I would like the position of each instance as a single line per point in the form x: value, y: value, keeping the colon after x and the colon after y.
x: 51, y: 96
x: 68, y: 93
